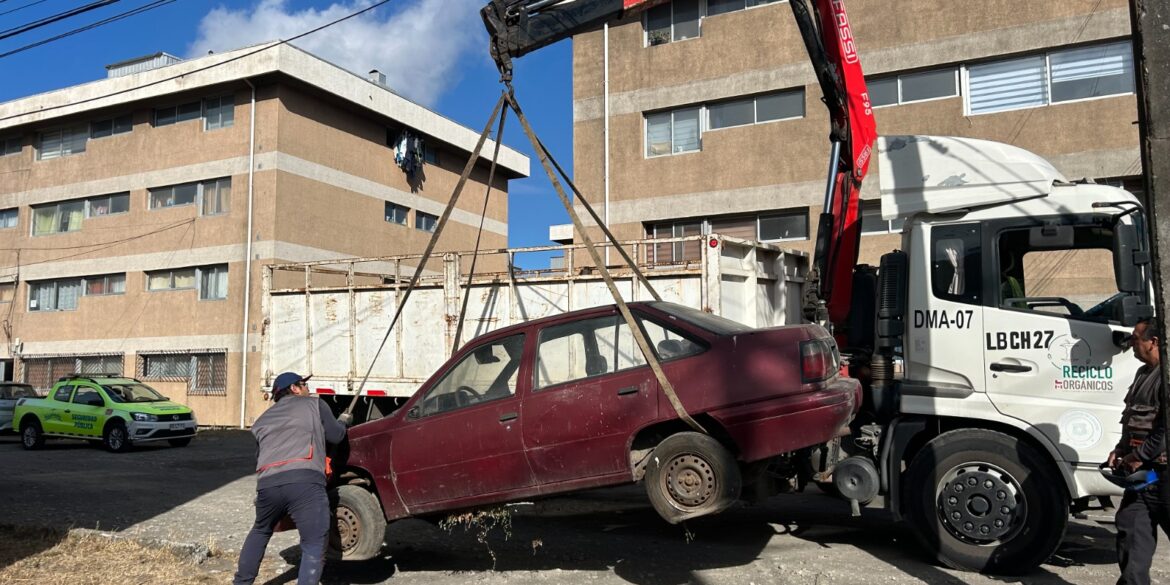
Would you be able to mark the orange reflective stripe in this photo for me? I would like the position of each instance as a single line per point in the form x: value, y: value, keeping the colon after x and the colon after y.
x: 287, y: 461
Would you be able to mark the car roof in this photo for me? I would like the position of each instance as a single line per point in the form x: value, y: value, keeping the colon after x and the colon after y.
x: 569, y: 316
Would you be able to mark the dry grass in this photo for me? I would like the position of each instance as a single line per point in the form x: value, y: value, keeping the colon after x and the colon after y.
x: 49, y: 557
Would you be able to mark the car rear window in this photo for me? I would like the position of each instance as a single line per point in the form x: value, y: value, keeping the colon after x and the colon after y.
x: 713, y: 323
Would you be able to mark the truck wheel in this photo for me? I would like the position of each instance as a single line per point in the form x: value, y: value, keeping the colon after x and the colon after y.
x: 691, y: 475
x: 984, y: 501
x: 183, y: 442
x: 361, y: 525
x: 116, y: 439
x: 31, y: 435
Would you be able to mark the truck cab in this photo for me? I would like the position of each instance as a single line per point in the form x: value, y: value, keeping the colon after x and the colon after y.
x: 1008, y: 308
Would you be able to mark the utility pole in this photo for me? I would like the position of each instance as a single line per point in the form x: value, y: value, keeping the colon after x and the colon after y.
x: 1150, y: 20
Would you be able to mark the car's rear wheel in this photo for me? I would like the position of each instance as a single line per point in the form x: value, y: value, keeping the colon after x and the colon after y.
x: 116, y: 439
x: 361, y: 525
x: 31, y: 435
x: 183, y: 442
x: 691, y: 475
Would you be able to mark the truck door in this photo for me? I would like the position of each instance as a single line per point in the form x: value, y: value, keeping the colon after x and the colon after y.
x: 945, y: 320
x: 1051, y: 358
x: 461, y: 438
x: 87, y: 412
x: 59, y: 418
x: 593, y: 390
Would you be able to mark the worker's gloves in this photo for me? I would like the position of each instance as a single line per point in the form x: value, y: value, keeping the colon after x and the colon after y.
x: 345, y: 419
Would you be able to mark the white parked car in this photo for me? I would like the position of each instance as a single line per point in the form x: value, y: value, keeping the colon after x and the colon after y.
x: 10, y: 392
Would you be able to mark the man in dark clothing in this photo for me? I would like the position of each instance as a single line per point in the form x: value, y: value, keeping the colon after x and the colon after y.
x: 291, y: 438
x: 1142, y: 511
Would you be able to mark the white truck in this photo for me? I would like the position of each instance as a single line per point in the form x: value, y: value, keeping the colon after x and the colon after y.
x: 991, y: 345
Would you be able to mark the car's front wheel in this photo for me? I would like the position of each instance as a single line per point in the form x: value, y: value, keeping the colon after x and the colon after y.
x: 361, y: 525
x: 116, y: 439
x: 690, y: 475
x: 31, y: 435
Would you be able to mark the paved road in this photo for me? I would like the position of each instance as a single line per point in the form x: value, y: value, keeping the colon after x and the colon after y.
x: 202, y: 494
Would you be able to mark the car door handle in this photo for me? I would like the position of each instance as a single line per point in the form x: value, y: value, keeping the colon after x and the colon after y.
x: 1015, y: 368
x: 628, y: 390
x: 508, y: 417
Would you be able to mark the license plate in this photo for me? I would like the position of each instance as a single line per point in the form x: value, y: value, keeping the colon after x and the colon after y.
x: 177, y: 426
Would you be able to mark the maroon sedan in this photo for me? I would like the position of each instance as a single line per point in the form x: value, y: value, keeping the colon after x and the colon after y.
x: 568, y: 402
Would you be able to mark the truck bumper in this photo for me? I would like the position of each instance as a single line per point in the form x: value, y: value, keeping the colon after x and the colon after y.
x: 782, y: 425
x: 145, y: 432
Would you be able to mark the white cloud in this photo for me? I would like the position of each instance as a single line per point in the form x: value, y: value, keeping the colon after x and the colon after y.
x: 418, y: 44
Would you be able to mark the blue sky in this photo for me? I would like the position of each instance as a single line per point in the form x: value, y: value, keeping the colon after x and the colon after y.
x: 432, y: 51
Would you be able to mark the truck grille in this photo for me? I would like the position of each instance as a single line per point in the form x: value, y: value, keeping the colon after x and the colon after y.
x: 174, y: 417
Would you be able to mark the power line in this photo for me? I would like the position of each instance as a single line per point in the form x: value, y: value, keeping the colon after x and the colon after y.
x: 21, y: 7
x: 127, y: 14
x: 55, y: 18
x: 201, y: 69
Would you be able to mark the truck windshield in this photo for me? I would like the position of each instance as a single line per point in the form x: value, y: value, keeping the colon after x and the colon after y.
x: 132, y: 393
x: 704, y: 320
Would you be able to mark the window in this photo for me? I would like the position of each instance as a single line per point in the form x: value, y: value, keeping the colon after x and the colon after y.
x: 591, y: 347
x: 673, y: 252
x: 396, y: 213
x: 176, y: 279
x: 488, y: 372
x: 10, y: 145
x: 88, y: 396
x: 430, y: 155
x: 1092, y: 72
x: 913, y: 87
x: 785, y: 226
x: 107, y: 204
x: 109, y: 284
x: 955, y: 273
x: 175, y: 114
x: 717, y: 7
x: 205, y: 371
x: 668, y: 343
x: 765, y: 108
x: 63, y: 393
x: 212, y: 196
x: 219, y: 112
x: 872, y: 222
x: 63, y: 142
x: 673, y: 21
x: 111, y: 126
x: 9, y: 217
x: 54, y: 295
x: 1058, y: 76
x: 213, y: 282
x: 425, y: 221
x: 216, y: 196
x: 109, y: 364
x: 56, y: 218
x: 673, y: 132
x: 1055, y: 269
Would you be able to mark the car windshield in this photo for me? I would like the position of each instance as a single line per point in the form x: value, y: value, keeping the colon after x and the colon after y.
x: 704, y: 320
x: 132, y: 393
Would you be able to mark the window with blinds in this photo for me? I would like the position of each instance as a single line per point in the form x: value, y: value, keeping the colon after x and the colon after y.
x: 1092, y: 72
x: 1008, y: 85
x: 1054, y: 77
x: 63, y: 142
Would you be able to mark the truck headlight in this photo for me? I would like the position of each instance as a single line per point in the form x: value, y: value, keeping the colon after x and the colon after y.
x: 143, y: 417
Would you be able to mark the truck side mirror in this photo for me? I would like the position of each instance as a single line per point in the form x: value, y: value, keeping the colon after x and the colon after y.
x: 1134, y: 310
x: 1128, y: 259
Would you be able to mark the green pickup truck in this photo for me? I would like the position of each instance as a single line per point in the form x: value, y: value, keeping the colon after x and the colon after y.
x: 118, y: 412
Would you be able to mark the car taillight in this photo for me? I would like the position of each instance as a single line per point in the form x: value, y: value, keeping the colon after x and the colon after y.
x: 817, y: 361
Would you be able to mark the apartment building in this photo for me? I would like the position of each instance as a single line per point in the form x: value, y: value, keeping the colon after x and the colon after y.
x: 704, y: 116
x: 136, y: 211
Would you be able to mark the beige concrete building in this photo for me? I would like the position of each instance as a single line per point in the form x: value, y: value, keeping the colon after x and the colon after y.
x: 704, y: 115
x: 136, y: 211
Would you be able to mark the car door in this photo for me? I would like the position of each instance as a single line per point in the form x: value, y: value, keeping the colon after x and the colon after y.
x: 87, y: 411
x: 59, y: 418
x: 1050, y: 346
x: 460, y: 437
x: 592, y: 390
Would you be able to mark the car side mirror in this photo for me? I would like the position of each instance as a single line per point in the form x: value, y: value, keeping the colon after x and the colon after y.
x: 413, y: 413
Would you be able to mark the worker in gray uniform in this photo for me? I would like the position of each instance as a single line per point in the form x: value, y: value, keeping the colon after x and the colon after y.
x: 291, y: 438
x: 1143, y: 511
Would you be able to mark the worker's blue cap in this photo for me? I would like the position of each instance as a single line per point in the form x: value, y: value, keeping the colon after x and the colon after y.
x: 287, y: 379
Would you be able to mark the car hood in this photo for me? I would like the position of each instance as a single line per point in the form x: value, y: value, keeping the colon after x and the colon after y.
x: 165, y: 407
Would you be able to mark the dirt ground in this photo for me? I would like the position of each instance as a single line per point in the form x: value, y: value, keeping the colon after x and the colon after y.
x: 200, y: 497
